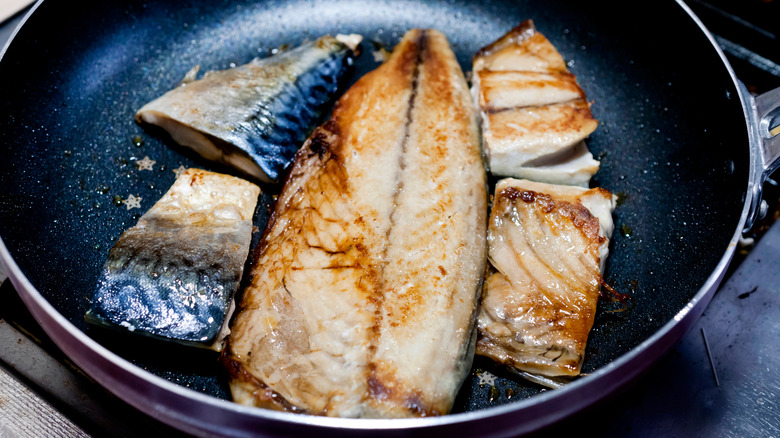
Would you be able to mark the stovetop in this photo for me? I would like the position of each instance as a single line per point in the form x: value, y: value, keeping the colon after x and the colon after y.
x: 720, y: 380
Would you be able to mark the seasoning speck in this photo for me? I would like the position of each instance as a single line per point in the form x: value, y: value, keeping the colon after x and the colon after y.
x: 626, y: 230
x: 138, y: 141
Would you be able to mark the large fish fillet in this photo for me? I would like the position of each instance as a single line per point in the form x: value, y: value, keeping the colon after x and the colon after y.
x: 547, y: 248
x: 363, y: 296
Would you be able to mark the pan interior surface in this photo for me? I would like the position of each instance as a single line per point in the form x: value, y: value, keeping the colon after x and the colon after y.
x: 671, y: 140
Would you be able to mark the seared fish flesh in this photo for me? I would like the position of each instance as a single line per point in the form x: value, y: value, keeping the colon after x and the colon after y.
x: 547, y: 246
x: 534, y: 114
x: 363, y: 298
x: 173, y: 275
x: 255, y: 117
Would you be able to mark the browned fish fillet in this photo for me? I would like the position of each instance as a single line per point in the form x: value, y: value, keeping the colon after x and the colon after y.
x: 363, y: 297
x: 534, y: 114
x: 547, y: 245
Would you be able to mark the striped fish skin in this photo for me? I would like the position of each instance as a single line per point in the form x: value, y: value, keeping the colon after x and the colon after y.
x: 363, y: 298
x: 173, y: 275
x: 256, y: 116
x: 547, y: 247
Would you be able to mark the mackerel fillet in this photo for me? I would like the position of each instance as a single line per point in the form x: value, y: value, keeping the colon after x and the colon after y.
x: 363, y: 295
x: 173, y: 275
x: 254, y: 117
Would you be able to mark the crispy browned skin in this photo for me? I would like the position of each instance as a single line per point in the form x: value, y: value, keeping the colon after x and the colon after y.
x: 363, y: 296
x: 546, y: 247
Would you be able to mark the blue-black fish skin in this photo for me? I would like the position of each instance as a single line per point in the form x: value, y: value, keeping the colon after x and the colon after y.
x: 173, y: 275
x: 256, y: 116
x: 174, y: 283
x: 294, y: 112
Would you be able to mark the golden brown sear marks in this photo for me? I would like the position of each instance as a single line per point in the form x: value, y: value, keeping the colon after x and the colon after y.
x: 521, y: 49
x: 532, y: 108
x: 362, y: 297
x: 546, y: 247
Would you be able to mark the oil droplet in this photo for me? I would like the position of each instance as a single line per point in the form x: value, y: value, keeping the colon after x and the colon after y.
x: 138, y: 141
x: 510, y: 392
x: 67, y: 152
x: 626, y: 230
x: 493, y: 394
x: 117, y: 200
x: 621, y: 198
x: 103, y: 189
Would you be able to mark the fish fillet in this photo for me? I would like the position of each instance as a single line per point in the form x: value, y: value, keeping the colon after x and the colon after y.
x: 255, y: 117
x: 363, y: 296
x: 173, y: 275
x: 534, y: 114
x: 547, y: 246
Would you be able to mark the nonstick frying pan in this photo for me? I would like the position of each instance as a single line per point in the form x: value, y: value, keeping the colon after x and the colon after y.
x: 681, y: 143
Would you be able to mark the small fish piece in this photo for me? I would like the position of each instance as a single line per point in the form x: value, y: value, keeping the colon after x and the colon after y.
x: 364, y: 294
x: 173, y: 275
x: 256, y: 116
x: 547, y: 246
x: 534, y: 114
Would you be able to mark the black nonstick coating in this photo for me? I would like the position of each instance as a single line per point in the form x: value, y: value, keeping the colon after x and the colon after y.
x: 672, y: 141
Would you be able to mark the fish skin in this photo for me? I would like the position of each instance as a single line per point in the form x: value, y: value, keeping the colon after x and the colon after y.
x: 363, y: 296
x: 547, y: 247
x: 255, y: 116
x: 173, y: 275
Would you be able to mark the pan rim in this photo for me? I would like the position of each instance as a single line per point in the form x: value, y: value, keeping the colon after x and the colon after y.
x: 651, y: 348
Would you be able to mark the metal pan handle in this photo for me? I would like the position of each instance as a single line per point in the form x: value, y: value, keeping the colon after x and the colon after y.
x: 763, y: 117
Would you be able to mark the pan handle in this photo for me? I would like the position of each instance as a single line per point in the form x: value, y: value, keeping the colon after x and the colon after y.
x: 763, y: 116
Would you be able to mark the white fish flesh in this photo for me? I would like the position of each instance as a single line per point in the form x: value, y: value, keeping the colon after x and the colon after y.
x: 547, y: 247
x: 534, y: 114
x: 256, y: 116
x: 363, y: 298
x: 173, y: 275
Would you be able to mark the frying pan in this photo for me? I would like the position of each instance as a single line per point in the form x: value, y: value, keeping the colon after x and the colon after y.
x: 681, y: 143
